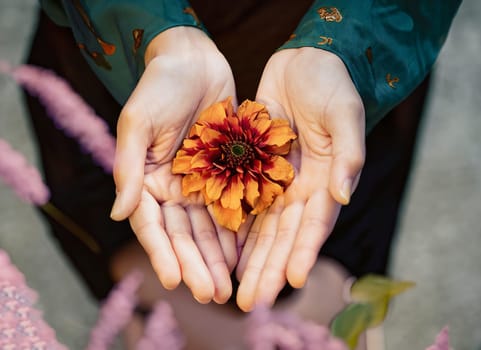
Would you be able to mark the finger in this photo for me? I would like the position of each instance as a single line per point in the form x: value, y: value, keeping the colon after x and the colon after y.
x: 249, y: 244
x: 242, y: 234
x: 246, y: 294
x: 228, y: 245
x: 319, y: 216
x: 273, y: 277
x: 132, y: 143
x: 227, y: 240
x: 148, y: 225
x: 348, y: 147
x: 194, y: 271
x: 205, y: 236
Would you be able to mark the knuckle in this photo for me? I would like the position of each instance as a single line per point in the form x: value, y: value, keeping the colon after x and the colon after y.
x: 285, y: 235
x: 179, y: 237
x: 314, y: 224
x: 142, y: 229
x: 205, y: 235
x: 215, y: 263
x: 252, y: 270
x: 265, y: 240
x: 273, y: 274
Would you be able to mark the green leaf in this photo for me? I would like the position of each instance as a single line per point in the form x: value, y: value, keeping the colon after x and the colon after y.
x: 351, y: 322
x: 377, y: 291
x: 373, y: 287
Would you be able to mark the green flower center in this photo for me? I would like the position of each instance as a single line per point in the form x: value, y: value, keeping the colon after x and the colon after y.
x: 236, y: 154
x: 237, y: 149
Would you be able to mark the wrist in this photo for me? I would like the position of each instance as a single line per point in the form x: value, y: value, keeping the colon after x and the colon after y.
x: 181, y: 40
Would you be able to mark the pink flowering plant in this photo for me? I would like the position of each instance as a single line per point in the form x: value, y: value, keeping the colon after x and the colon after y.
x: 21, y: 324
x: 70, y: 113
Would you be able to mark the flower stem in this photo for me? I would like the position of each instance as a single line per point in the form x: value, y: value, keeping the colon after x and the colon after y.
x: 70, y: 225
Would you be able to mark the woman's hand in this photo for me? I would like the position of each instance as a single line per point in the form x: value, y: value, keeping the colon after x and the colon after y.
x: 185, y: 73
x: 313, y: 89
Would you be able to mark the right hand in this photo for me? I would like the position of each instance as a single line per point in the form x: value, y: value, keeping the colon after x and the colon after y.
x: 312, y: 89
x: 185, y: 73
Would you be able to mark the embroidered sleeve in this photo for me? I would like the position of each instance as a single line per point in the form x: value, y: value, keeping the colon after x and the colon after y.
x: 387, y: 46
x: 113, y: 35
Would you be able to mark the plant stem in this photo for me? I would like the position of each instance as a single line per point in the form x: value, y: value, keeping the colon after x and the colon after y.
x: 70, y: 225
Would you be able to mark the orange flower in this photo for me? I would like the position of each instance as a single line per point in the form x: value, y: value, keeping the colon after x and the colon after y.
x: 235, y: 160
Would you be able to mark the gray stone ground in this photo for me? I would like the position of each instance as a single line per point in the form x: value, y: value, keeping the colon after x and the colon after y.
x: 440, y: 235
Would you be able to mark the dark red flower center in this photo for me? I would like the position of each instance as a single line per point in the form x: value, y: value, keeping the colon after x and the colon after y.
x: 237, y: 154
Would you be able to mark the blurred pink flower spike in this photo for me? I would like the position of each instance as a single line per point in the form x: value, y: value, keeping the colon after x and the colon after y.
x: 161, y: 330
x: 442, y: 340
x: 269, y: 330
x: 24, y: 179
x: 9, y: 273
x: 27, y: 183
x: 21, y: 325
x: 68, y: 110
x: 116, y: 312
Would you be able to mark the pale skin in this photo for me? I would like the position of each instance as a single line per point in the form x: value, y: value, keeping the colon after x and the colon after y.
x: 184, y: 74
x: 312, y: 89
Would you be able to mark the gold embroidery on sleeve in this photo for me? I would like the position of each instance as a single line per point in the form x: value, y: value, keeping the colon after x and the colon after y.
x: 324, y: 40
x: 108, y: 49
x: 391, y: 81
x: 97, y: 57
x: 190, y: 11
x: 138, y: 35
x: 330, y: 14
x: 292, y: 36
x: 369, y: 55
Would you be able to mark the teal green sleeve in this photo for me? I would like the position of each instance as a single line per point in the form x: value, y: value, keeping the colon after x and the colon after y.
x: 388, y: 46
x: 113, y: 34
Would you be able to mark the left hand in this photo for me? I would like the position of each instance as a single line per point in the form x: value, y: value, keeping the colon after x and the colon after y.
x: 184, y: 74
x: 312, y: 88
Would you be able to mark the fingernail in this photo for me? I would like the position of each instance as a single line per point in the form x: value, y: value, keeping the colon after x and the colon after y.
x: 115, y: 213
x: 346, y: 190
x: 201, y: 300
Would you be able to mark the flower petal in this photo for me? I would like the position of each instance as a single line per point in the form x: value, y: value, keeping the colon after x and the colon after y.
x: 210, y: 136
x: 269, y: 191
x: 215, y: 114
x: 279, y: 150
x: 252, y: 109
x: 200, y: 160
x: 227, y: 104
x: 181, y: 164
x: 279, y: 133
x: 233, y: 193
x: 192, y: 183
x: 279, y: 169
x: 214, y: 187
x: 251, y: 190
x: 196, y: 130
x: 261, y: 125
x: 234, y: 125
x: 229, y: 218
x: 189, y: 144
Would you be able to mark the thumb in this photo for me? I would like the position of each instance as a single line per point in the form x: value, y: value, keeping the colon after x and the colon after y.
x: 347, y: 131
x: 132, y: 143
